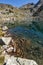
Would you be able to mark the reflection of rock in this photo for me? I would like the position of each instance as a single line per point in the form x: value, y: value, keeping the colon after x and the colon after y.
x: 19, y: 61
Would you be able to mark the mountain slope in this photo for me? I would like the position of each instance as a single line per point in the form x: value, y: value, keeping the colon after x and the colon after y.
x: 24, y: 14
x: 9, y: 13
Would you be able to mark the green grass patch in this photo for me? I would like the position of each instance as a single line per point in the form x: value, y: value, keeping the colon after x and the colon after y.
x: 2, y: 60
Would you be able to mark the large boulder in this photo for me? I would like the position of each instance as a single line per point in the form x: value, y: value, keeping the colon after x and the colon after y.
x: 19, y: 61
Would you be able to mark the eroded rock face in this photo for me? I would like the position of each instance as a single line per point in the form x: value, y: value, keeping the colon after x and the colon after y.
x: 19, y: 61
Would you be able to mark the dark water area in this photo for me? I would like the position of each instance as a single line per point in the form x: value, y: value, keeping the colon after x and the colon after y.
x: 27, y: 33
x: 33, y: 51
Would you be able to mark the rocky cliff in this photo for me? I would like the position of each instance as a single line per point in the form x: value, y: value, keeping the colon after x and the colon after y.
x: 25, y: 13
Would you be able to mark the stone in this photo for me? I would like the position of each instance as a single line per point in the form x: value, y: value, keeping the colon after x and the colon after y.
x: 19, y: 61
x: 6, y: 40
x: 9, y: 49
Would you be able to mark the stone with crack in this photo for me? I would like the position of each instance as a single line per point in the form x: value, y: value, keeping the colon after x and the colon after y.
x: 19, y: 61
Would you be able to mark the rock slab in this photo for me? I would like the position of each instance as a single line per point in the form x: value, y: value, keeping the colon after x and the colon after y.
x: 19, y: 61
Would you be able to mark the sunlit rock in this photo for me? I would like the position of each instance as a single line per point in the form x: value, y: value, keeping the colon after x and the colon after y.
x: 19, y: 61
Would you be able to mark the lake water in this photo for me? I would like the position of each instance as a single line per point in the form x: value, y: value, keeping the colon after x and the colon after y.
x: 27, y: 33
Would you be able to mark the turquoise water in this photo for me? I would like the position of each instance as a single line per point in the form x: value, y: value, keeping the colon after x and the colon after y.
x: 27, y: 33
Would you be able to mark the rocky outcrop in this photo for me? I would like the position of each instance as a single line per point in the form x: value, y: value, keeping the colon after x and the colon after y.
x: 19, y: 61
x: 27, y: 6
x: 38, y: 11
x: 9, y: 13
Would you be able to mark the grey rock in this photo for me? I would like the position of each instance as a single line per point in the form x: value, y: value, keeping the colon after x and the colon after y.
x: 19, y: 61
